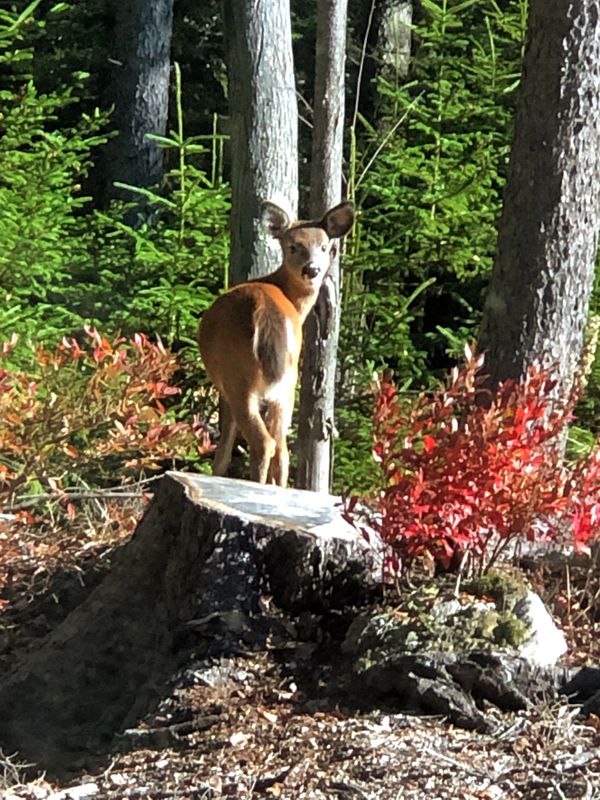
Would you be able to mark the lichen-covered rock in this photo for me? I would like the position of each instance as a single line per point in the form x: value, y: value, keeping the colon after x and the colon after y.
x: 442, y: 654
x: 505, y: 589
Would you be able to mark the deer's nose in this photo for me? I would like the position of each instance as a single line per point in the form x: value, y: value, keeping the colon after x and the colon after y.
x: 310, y: 270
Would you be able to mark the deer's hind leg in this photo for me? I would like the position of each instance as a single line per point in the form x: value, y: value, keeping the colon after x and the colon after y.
x: 278, y: 421
x: 246, y: 412
x: 228, y: 428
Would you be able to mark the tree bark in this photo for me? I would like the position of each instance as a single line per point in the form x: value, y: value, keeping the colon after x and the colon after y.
x: 394, y: 39
x: 205, y: 546
x: 264, y: 127
x: 539, y: 294
x: 140, y: 92
x: 321, y: 331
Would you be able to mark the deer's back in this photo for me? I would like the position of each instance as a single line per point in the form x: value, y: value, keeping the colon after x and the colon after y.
x: 250, y: 338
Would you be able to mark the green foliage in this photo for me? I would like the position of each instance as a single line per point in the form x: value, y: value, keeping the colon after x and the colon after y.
x: 41, y: 169
x: 427, y: 177
x: 157, y: 277
x: 353, y: 464
x: 181, y: 256
x: 585, y: 431
x: 75, y: 38
x: 63, y: 264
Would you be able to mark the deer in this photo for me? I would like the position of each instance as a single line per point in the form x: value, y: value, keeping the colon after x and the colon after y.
x: 250, y: 340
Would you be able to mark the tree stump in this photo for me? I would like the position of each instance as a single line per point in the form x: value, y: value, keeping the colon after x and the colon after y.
x: 204, y: 546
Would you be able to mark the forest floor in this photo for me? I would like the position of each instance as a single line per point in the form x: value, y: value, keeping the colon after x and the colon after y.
x: 245, y: 726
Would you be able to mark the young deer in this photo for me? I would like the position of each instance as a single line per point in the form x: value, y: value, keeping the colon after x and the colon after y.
x: 250, y: 340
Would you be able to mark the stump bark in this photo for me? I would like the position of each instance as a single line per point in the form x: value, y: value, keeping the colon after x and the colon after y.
x: 204, y: 545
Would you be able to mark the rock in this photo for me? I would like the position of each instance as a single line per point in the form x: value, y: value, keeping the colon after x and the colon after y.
x: 584, y: 688
x: 442, y: 655
x: 545, y: 644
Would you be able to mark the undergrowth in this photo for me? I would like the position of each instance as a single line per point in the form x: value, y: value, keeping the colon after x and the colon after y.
x: 466, y: 475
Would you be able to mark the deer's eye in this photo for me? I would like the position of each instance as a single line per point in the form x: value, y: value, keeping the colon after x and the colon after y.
x: 293, y: 248
x: 324, y: 248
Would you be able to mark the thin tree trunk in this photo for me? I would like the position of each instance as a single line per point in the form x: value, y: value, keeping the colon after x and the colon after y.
x: 539, y: 294
x: 321, y: 331
x: 140, y: 92
x: 264, y: 127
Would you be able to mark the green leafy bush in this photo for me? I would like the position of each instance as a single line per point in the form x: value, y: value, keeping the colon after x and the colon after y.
x: 41, y: 170
x: 427, y: 177
x: 158, y: 277
x: 64, y: 265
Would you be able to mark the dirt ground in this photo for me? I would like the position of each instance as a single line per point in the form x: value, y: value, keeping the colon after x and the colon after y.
x: 252, y: 724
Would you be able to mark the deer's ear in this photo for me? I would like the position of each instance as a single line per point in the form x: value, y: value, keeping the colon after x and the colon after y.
x: 338, y: 220
x: 274, y: 219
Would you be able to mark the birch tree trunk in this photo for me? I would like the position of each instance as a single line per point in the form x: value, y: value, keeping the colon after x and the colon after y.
x: 321, y: 331
x: 539, y: 294
x: 264, y: 127
x: 394, y: 37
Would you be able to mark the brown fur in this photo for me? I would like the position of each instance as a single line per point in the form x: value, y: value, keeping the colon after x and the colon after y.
x: 250, y: 340
x: 270, y: 338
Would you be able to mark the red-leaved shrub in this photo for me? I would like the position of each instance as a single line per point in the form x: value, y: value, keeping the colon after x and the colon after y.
x: 88, y: 410
x: 463, y: 478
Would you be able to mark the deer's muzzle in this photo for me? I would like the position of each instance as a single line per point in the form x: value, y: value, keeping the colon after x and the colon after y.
x: 310, y: 271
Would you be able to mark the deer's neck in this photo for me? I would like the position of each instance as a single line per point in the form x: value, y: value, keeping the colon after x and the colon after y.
x: 302, y: 298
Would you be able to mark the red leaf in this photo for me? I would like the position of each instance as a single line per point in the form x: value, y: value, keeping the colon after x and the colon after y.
x: 482, y: 473
x: 429, y: 442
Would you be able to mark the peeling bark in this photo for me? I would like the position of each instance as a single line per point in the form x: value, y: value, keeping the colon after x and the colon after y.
x: 321, y: 331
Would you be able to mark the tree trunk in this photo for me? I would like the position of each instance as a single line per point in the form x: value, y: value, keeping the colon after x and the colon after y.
x: 264, y: 127
x: 394, y: 39
x: 205, y: 547
x: 140, y: 92
x: 321, y: 331
x: 540, y: 288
